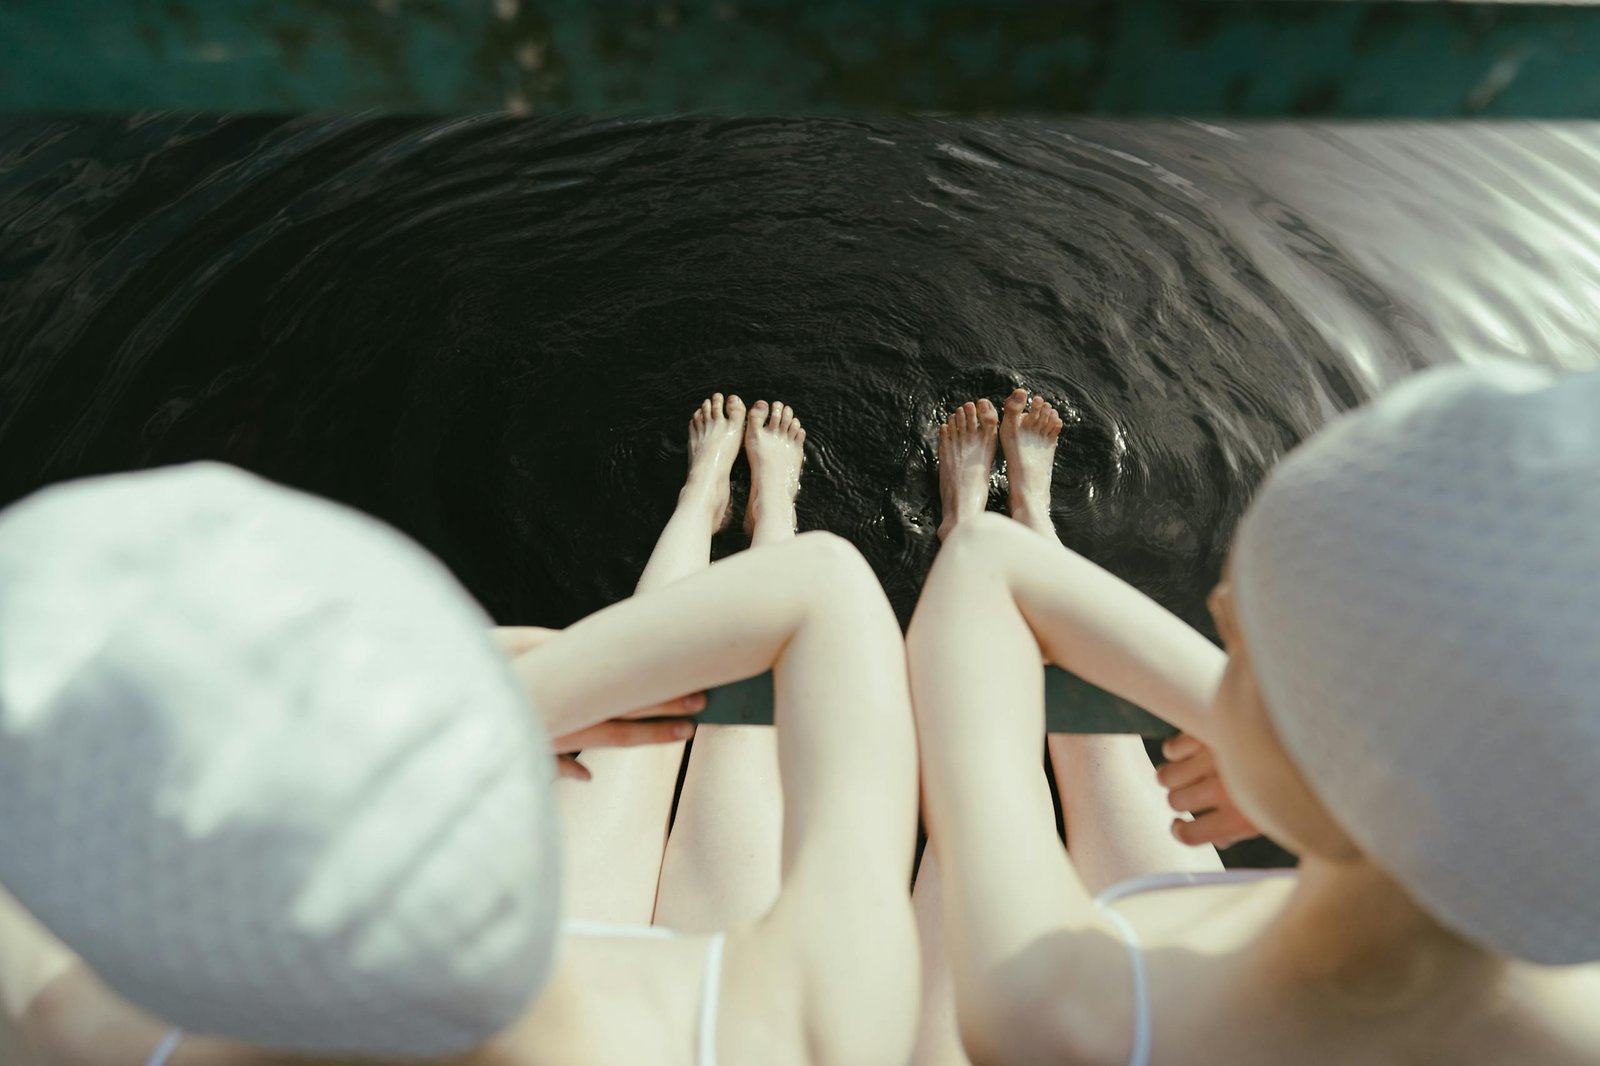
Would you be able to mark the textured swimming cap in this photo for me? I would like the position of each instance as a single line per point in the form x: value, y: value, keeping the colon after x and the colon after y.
x: 1420, y: 587
x: 263, y: 769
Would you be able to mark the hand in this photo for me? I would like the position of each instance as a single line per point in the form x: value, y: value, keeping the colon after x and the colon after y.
x: 1193, y: 785
x: 661, y: 724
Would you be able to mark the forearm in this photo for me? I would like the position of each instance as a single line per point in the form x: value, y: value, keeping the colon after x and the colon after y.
x: 1097, y: 626
x: 724, y: 624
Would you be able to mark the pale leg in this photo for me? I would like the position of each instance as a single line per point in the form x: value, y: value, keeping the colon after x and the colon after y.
x: 938, y: 1040
x: 1115, y: 811
x: 614, y: 827
x: 723, y: 860
x: 966, y: 461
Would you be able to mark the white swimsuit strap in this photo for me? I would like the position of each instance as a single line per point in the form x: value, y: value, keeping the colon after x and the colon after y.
x: 164, y: 1050
x: 710, y: 995
x: 1181, y: 879
x: 710, y: 984
x: 1143, y: 1023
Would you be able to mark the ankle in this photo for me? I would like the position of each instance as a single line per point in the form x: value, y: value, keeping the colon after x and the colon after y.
x: 704, y: 494
x: 772, y: 525
x: 1034, y: 514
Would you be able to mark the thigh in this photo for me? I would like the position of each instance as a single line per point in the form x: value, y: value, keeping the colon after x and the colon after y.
x: 1116, y: 814
x: 724, y: 858
x: 938, y: 1039
x: 614, y: 831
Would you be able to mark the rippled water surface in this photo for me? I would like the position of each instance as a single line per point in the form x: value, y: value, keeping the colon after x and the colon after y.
x: 492, y: 332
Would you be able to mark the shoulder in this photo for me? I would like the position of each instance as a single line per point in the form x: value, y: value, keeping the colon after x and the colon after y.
x: 77, y: 1021
x: 1067, y: 998
x: 1074, y: 996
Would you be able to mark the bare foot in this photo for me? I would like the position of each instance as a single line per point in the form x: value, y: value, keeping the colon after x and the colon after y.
x: 715, y: 432
x: 775, y: 444
x: 966, y: 455
x: 1028, y: 435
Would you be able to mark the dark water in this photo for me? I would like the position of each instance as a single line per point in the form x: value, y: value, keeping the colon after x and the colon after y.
x: 491, y: 332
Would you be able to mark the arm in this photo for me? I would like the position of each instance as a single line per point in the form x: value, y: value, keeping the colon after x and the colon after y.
x: 731, y: 621
x: 661, y: 724
x: 1039, y: 976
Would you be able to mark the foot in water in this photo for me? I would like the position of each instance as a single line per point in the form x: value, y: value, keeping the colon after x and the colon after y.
x: 715, y: 433
x: 775, y: 444
x: 966, y: 457
x: 1028, y: 434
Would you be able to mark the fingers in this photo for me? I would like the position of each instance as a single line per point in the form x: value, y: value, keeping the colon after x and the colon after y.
x: 1194, y: 785
x: 1220, y: 829
x: 1175, y: 775
x: 1182, y: 746
x: 627, y: 733
x: 569, y: 766
x: 678, y: 708
x: 1204, y: 795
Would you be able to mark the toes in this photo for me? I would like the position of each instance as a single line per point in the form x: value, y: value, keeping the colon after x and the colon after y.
x: 788, y: 417
x: 716, y: 405
x: 795, y: 431
x: 1016, y: 403
x: 969, y: 415
x: 735, y: 408
x: 988, y: 418
x: 800, y: 434
x: 758, y: 414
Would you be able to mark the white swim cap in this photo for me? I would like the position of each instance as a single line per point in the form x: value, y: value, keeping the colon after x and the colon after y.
x: 1420, y: 587
x: 263, y: 769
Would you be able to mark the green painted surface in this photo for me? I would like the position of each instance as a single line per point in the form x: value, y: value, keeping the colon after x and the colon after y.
x: 1124, y: 57
x: 1071, y: 706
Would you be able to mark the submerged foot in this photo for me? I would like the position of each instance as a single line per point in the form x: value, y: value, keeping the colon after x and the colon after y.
x: 715, y: 433
x: 966, y: 456
x: 775, y: 444
x: 1028, y: 434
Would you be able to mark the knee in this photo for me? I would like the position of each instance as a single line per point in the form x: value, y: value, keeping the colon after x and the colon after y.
x: 836, y: 576
x: 830, y: 559
x: 981, y: 533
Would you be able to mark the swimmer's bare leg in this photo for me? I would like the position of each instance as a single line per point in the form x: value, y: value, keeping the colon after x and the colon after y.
x: 840, y: 944
x: 615, y: 826
x: 1116, y: 813
x: 723, y: 861
x: 1001, y: 596
x: 966, y: 461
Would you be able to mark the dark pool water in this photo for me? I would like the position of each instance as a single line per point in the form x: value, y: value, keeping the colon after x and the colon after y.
x: 491, y: 332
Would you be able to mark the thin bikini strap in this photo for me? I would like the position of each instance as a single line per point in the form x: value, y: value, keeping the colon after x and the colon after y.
x: 1142, y: 1035
x: 710, y: 984
x: 164, y: 1050
x: 710, y: 993
x: 1143, y: 1022
x: 1184, y: 879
